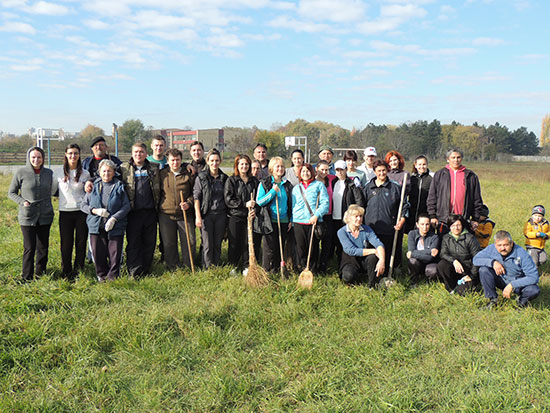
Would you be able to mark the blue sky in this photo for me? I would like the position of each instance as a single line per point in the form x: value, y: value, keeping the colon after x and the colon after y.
x: 214, y: 63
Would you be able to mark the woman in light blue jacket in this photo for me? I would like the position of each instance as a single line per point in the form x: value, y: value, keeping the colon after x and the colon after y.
x: 309, y: 203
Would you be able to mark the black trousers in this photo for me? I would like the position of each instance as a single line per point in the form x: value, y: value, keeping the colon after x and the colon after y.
x: 73, y: 232
x: 212, y: 232
x: 327, y: 243
x: 107, y: 253
x: 356, y: 270
x: 237, y: 233
x: 35, y: 243
x: 271, y: 256
x: 418, y: 268
x: 170, y: 229
x: 332, y: 242
x: 302, y: 236
x: 450, y: 277
x: 141, y: 239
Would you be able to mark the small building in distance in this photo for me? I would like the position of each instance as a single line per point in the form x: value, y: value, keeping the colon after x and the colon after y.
x: 182, y: 139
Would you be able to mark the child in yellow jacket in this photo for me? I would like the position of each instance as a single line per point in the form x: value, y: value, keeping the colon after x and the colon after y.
x: 537, y: 231
x: 485, y: 228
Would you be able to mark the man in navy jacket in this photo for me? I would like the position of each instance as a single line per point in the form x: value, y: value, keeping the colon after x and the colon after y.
x: 509, y: 267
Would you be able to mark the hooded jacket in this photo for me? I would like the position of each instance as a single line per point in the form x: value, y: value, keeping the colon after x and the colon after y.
x: 35, y: 188
x: 439, y: 196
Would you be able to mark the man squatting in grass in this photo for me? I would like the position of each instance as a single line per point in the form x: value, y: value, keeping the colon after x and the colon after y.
x: 509, y: 267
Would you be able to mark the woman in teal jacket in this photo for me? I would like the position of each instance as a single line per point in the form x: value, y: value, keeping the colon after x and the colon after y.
x: 309, y: 204
x: 273, y: 191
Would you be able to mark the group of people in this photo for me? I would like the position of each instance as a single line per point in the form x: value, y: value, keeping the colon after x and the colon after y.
x: 339, y: 211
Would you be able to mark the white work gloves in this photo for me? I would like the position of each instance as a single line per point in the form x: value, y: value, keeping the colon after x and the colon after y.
x: 102, y: 212
x: 110, y: 224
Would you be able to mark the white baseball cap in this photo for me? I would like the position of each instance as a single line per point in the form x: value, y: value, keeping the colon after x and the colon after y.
x: 370, y: 151
x: 340, y: 165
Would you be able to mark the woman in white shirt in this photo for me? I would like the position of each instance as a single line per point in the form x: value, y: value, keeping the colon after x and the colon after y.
x: 70, y: 183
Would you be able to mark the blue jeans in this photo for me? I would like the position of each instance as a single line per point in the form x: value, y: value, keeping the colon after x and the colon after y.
x: 491, y: 281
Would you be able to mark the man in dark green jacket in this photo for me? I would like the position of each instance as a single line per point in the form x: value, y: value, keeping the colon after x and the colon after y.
x: 142, y: 183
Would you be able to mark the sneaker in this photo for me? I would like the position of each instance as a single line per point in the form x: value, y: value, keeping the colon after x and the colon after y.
x: 245, y: 272
x: 493, y: 302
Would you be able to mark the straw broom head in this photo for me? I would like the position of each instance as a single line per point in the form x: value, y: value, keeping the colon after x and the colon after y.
x: 256, y: 276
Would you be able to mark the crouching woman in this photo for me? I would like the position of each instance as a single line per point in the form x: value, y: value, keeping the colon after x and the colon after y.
x: 107, y: 207
x: 363, y: 255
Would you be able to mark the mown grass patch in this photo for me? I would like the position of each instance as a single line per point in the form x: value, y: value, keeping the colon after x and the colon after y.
x: 206, y: 342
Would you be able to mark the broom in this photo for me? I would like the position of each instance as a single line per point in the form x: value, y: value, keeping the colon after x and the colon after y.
x: 256, y: 276
x: 187, y: 236
x: 305, y: 280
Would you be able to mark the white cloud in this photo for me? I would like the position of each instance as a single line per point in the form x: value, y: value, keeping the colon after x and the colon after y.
x: 152, y: 19
x: 27, y: 65
x: 402, y: 12
x: 221, y: 39
x: 285, y: 22
x: 446, y: 12
x: 108, y: 8
x: 416, y: 49
x: 47, y: 8
x: 336, y: 11
x: 487, y: 41
x: 181, y: 35
x: 96, y: 24
x: 263, y: 37
x: 358, y: 54
x: 39, y: 7
x: 471, y: 80
x: 17, y: 27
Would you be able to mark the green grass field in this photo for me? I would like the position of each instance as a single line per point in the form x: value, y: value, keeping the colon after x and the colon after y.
x: 206, y: 342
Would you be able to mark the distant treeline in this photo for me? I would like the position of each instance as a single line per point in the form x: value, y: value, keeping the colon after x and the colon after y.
x: 429, y: 138
x: 421, y: 137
